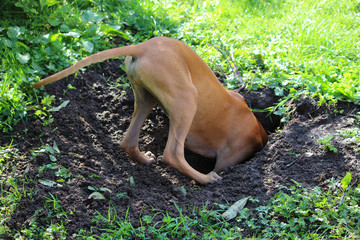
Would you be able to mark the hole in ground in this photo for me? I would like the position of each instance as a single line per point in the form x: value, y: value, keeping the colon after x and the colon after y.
x: 260, y: 100
x: 257, y: 100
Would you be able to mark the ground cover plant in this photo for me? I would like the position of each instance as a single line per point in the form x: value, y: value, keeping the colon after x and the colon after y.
x: 63, y: 175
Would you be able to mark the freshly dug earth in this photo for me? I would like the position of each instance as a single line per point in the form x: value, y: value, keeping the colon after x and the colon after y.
x: 88, y: 131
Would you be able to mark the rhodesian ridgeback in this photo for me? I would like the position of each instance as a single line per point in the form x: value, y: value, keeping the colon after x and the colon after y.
x: 204, y: 116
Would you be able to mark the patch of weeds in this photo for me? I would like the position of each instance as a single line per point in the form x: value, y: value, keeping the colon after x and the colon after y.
x: 121, y: 84
x: 297, y: 212
x: 69, y: 87
x: 13, y: 186
x: 200, y: 224
x: 48, y: 222
x: 93, y: 175
x: 294, y: 154
x: 120, y: 195
x: 62, y: 174
x: 16, y: 76
x: 351, y: 135
x: 54, y: 205
x: 234, y: 79
x: 326, y: 145
x: 40, y: 231
x: 44, y: 113
x: 9, y: 188
x: 283, y: 108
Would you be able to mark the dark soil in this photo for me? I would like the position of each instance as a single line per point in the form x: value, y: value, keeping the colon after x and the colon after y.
x: 88, y: 131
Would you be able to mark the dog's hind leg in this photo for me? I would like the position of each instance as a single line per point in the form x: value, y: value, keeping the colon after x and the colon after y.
x: 144, y: 103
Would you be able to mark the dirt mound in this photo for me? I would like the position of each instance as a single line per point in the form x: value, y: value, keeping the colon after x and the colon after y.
x: 88, y: 131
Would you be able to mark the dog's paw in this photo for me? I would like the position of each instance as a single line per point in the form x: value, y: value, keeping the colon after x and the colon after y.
x: 145, y: 158
x: 150, y: 157
x: 213, y: 177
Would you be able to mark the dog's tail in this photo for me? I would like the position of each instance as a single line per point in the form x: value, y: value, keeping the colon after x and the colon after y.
x: 131, y: 50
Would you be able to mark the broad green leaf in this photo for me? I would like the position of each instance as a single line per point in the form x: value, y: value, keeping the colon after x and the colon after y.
x: 235, y: 208
x: 36, y: 67
x: 105, y: 190
x: 88, y: 45
x: 72, y: 34
x: 9, y: 43
x: 62, y: 105
x: 90, y: 16
x: 55, y: 147
x: 42, y: 3
x: 312, y: 88
x: 91, y: 188
x: 132, y: 181
x: 96, y: 195
x: 13, y: 32
x: 49, y: 183
x: 23, y: 58
x: 52, y: 166
x: 52, y: 158
x: 53, y: 37
x: 54, y: 21
x: 345, y: 182
x: 49, y: 149
x: 69, y: 86
x: 112, y: 31
x: 91, y: 32
x: 279, y: 91
x: 51, y: 2
x: 183, y: 189
x: 64, y: 28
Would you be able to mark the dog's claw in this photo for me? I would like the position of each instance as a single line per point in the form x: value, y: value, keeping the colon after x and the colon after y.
x: 213, y: 177
x: 150, y: 157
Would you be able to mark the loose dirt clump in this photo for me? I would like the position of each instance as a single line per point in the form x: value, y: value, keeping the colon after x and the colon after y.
x: 88, y: 131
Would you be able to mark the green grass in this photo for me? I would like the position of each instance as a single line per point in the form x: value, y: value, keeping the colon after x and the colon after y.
x: 201, y: 224
x: 309, y: 214
x: 293, y: 213
x: 295, y: 47
x: 298, y: 48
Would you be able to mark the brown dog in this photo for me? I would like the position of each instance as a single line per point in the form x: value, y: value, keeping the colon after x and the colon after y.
x: 204, y: 116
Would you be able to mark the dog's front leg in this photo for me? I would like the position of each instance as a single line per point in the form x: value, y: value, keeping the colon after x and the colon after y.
x: 181, y: 116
